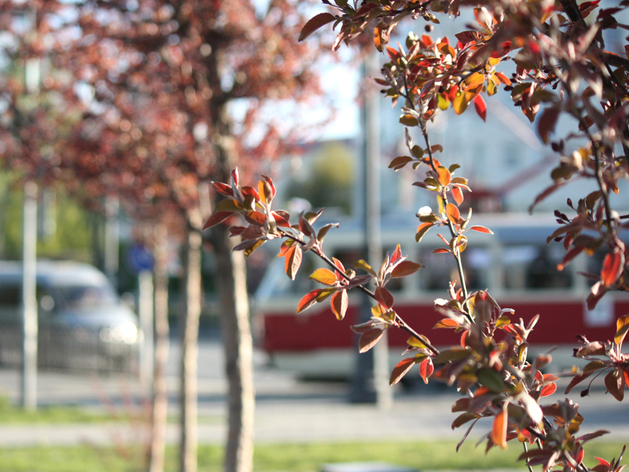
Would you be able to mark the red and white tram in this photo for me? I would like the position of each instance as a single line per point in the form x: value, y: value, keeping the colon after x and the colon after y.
x: 515, y: 264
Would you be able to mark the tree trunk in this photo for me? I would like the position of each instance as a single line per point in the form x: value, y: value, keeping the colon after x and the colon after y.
x: 189, y: 352
x: 238, y: 345
x: 160, y: 384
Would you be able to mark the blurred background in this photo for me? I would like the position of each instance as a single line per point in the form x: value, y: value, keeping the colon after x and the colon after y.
x: 114, y: 119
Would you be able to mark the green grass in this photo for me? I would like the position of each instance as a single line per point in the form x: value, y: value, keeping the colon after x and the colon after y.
x: 423, y: 455
x: 10, y: 414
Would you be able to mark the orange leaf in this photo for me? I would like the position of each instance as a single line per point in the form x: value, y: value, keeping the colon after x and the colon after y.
x: 444, y: 176
x: 499, y: 429
x: 339, y: 303
x: 377, y: 37
x: 503, y: 78
x: 453, y: 213
x: 548, y: 389
x: 622, y: 326
x: 292, y: 261
x: 446, y: 323
x: 458, y: 195
x: 308, y: 300
x: 324, y: 276
x: 422, y: 229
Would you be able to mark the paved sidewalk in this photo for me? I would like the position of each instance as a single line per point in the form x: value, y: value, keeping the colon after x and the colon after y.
x: 286, y: 410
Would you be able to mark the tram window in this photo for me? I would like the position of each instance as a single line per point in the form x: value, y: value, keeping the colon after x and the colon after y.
x: 533, y: 267
x: 440, y: 269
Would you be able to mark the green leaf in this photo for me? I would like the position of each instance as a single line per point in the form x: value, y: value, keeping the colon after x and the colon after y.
x: 491, y: 379
x: 399, y: 162
x: 361, y: 264
x: 418, y: 151
x: 409, y: 120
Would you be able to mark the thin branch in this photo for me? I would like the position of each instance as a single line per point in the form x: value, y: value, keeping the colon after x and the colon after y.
x: 400, y: 322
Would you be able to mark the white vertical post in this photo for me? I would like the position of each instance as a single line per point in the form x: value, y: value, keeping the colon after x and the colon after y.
x: 29, y: 298
x: 373, y: 239
x: 145, y: 311
x: 112, y: 237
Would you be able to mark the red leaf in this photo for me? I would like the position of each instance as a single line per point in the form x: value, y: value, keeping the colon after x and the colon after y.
x: 369, y: 339
x: 397, y: 254
x: 281, y: 220
x: 223, y: 189
x: 401, y: 369
x: 384, y: 297
x: 546, y: 123
x: 481, y: 107
x: 217, y: 218
x: 426, y: 368
x: 405, y: 268
x: 250, y: 192
x: 315, y: 23
x: 615, y: 384
x: 612, y: 267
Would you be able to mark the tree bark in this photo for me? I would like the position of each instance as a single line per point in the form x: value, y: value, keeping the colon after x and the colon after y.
x: 238, y: 345
x: 189, y: 352
x: 162, y: 345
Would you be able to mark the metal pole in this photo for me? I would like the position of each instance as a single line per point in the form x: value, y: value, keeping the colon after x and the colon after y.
x: 29, y: 298
x: 145, y: 311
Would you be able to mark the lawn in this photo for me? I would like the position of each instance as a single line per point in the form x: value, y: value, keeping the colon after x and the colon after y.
x: 423, y: 455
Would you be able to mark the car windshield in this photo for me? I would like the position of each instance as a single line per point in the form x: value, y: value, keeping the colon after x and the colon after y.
x: 87, y: 296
